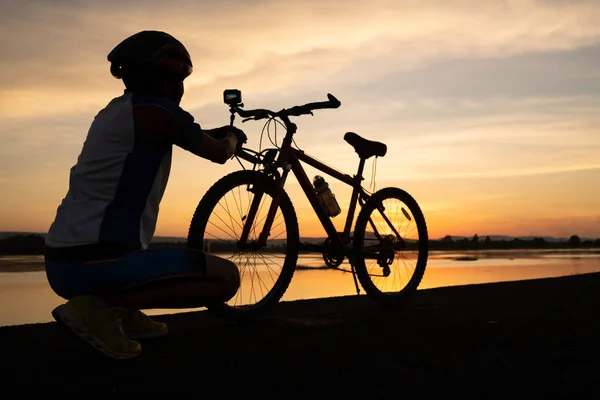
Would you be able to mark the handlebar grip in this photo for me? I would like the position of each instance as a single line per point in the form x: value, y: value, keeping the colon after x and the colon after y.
x: 332, y: 102
x: 335, y: 103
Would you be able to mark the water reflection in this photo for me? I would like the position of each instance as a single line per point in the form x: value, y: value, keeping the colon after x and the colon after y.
x: 25, y: 297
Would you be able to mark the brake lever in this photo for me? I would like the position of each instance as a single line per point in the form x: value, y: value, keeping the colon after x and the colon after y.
x: 247, y: 119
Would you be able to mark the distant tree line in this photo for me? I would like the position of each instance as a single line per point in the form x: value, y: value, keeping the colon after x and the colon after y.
x: 22, y: 245
x: 476, y: 243
x: 221, y: 247
x: 32, y: 244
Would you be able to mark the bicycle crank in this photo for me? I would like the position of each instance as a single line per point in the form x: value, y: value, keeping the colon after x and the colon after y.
x: 331, y: 259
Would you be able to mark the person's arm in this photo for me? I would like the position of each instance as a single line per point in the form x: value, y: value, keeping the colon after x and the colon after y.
x: 191, y: 137
x: 167, y: 121
x: 214, y: 149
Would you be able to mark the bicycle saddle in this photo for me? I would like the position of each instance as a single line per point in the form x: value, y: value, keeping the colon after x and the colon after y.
x: 365, y: 148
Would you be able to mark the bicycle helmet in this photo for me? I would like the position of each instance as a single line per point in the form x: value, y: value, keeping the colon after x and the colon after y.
x: 151, y: 54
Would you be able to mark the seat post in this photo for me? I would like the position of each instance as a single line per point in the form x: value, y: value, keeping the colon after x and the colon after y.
x: 361, y: 167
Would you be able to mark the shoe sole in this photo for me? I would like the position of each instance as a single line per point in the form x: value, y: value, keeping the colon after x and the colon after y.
x: 62, y: 315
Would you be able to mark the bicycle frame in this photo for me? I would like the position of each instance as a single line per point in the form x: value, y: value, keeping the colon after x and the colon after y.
x: 291, y: 159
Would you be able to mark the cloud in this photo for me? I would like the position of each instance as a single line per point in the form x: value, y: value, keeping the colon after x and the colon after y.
x: 460, y: 91
x: 508, y: 137
x: 268, y: 46
x: 509, y: 172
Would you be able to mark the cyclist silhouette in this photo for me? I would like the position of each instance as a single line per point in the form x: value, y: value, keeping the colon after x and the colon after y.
x: 97, y: 255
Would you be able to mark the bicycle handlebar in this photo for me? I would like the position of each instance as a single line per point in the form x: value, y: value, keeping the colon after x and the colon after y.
x: 261, y: 113
x: 305, y: 109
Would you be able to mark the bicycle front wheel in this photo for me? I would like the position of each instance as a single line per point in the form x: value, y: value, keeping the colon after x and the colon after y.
x: 217, y: 225
x: 391, y: 246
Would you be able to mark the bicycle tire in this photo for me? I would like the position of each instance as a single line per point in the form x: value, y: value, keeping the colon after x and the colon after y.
x: 196, y: 235
x: 393, y: 298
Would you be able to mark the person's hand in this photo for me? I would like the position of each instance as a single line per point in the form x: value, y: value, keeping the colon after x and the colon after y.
x: 241, y: 136
x: 229, y: 139
x: 222, y: 132
x: 230, y: 143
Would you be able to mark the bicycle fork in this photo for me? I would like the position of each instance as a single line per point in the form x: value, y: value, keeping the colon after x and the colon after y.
x: 254, y: 209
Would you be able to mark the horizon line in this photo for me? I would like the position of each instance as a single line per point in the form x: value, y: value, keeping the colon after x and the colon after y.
x: 324, y: 237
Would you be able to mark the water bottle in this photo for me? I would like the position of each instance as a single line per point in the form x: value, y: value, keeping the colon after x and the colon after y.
x: 326, y: 197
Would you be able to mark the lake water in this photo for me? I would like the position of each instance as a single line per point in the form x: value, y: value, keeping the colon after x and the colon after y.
x: 25, y: 297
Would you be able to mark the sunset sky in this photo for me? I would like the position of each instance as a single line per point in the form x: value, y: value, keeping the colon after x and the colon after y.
x: 490, y: 109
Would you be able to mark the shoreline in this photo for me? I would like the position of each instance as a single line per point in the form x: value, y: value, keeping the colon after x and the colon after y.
x: 8, y: 263
x: 536, y: 337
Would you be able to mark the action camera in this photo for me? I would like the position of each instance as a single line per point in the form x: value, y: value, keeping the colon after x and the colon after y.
x: 232, y: 97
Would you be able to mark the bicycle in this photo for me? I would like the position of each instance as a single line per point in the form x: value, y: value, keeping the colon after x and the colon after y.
x: 251, y: 197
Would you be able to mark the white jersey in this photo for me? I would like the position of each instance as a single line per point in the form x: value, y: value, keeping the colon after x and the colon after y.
x: 116, y: 186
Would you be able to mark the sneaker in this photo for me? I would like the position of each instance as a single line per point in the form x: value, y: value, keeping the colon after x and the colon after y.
x: 98, y: 325
x: 138, y: 325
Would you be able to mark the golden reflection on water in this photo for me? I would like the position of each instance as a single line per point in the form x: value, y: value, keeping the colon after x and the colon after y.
x: 27, y: 298
x: 27, y: 303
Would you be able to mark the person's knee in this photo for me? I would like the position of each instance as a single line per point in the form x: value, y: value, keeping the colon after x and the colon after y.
x: 224, y: 271
x: 232, y: 278
x: 60, y: 283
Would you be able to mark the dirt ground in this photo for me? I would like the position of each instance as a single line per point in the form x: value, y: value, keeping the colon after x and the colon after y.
x: 527, y: 339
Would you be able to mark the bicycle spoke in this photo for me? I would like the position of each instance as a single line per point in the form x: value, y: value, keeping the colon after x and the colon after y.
x: 229, y: 214
x: 269, y: 269
x: 256, y: 222
x: 238, y: 205
x: 221, y: 229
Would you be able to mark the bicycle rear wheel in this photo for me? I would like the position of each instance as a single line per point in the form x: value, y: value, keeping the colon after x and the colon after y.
x: 391, y: 231
x: 217, y: 226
